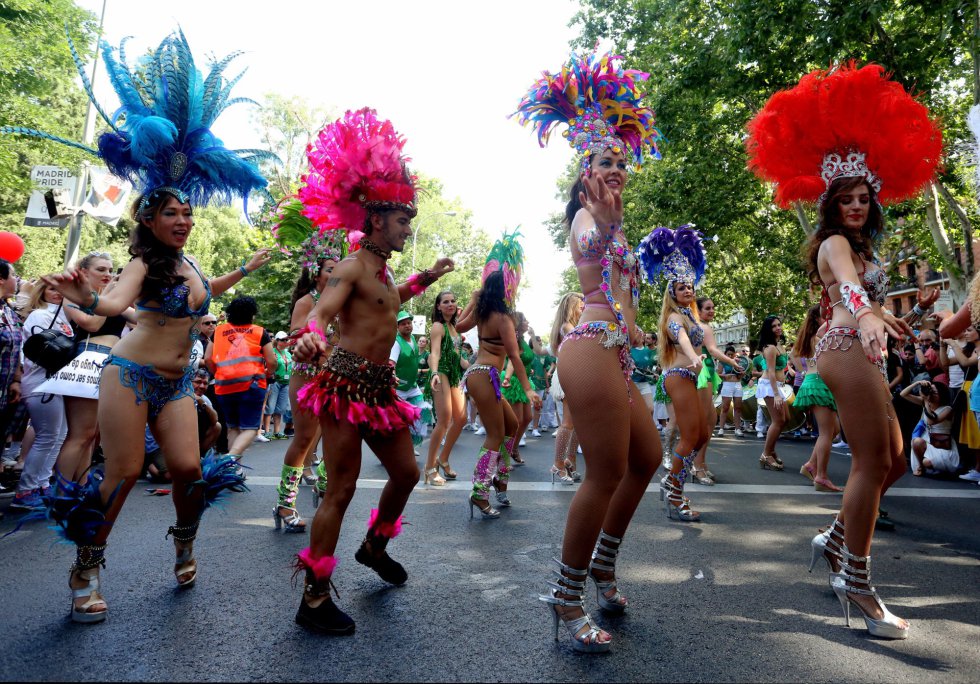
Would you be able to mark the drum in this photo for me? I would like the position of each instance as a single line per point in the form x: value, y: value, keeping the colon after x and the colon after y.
x: 797, y: 418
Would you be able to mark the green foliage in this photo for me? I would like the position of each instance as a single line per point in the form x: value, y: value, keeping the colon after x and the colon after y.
x: 713, y: 64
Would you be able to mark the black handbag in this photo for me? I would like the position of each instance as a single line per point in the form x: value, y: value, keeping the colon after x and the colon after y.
x: 50, y: 349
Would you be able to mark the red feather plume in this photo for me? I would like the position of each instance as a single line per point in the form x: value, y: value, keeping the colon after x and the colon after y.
x: 846, y: 109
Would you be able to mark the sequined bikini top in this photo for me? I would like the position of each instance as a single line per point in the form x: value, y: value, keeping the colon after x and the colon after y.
x: 174, y: 300
x: 620, y: 254
x: 873, y: 279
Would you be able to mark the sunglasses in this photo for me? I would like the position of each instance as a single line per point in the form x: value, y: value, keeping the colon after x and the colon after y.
x: 209, y: 322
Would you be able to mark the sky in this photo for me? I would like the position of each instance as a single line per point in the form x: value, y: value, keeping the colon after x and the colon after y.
x: 446, y: 73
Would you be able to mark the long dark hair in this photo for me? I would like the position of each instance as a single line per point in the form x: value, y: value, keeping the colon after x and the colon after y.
x: 491, y: 299
x: 437, y: 315
x: 162, y: 262
x: 4, y: 269
x: 804, y: 336
x: 766, y: 335
x: 573, y: 202
x: 306, y: 283
x: 829, y: 216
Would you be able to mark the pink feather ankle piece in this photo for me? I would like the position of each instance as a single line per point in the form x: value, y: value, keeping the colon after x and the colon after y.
x: 383, y: 529
x: 321, y: 568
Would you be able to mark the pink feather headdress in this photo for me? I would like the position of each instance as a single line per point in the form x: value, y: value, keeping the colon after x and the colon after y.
x: 356, y: 166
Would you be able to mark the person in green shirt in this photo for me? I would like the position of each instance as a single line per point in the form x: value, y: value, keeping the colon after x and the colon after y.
x: 405, y: 355
x: 277, y: 398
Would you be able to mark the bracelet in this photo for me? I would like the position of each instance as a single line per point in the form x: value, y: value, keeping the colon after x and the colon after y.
x: 854, y: 297
x: 918, y: 310
x: 244, y: 271
x: 862, y: 313
x: 419, y: 282
x: 90, y: 310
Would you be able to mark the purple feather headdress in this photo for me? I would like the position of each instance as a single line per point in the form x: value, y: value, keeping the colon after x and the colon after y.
x: 674, y: 255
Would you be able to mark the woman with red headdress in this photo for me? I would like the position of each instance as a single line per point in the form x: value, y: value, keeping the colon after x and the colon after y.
x: 851, y: 139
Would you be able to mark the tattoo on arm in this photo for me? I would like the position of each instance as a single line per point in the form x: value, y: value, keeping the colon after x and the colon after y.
x: 333, y: 282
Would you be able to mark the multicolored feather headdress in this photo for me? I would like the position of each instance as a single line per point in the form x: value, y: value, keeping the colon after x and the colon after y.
x: 356, y: 166
x: 599, y: 102
x: 160, y: 137
x: 673, y: 255
x: 296, y: 234
x: 846, y: 122
x: 507, y: 255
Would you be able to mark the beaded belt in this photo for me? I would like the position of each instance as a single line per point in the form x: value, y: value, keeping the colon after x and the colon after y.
x: 609, y: 335
x: 842, y: 338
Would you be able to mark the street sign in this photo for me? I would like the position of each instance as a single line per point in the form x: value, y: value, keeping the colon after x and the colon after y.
x: 945, y: 301
x: 51, y: 199
x: 107, y: 199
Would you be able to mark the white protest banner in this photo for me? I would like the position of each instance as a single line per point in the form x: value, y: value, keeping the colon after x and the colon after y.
x: 418, y: 324
x: 106, y: 200
x: 50, y: 202
x: 80, y: 378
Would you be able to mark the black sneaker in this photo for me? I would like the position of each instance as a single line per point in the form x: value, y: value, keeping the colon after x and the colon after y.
x: 389, y: 570
x: 326, y: 618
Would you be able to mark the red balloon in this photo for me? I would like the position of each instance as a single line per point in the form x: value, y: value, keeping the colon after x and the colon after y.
x: 11, y: 246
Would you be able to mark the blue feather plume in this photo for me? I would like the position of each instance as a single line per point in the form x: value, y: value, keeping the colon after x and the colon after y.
x: 161, y: 133
x: 219, y: 475
x: 658, y: 253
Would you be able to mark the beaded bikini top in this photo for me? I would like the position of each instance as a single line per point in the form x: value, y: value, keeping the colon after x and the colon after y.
x: 619, y: 254
x: 175, y: 300
x: 873, y: 279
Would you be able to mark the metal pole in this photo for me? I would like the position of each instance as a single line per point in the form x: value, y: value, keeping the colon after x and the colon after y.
x: 415, y: 242
x: 88, y: 134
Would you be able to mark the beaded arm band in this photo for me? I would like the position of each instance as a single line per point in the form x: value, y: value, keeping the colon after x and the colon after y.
x: 418, y: 282
x: 854, y: 297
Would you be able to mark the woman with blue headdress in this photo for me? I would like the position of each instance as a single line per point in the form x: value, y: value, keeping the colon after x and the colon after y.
x: 160, y: 139
x: 611, y: 130
x: 677, y: 257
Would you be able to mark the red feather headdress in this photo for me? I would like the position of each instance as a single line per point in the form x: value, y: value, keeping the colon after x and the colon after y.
x: 356, y: 165
x: 845, y: 122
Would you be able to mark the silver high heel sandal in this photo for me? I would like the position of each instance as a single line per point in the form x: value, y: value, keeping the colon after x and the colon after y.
x: 502, y: 497
x: 676, y: 502
x: 291, y: 521
x: 606, y: 557
x: 488, y: 513
x: 584, y: 632
x: 886, y: 627
x: 828, y: 545
x: 562, y: 474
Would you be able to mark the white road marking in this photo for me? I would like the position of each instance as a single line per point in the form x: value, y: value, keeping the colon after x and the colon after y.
x: 787, y: 490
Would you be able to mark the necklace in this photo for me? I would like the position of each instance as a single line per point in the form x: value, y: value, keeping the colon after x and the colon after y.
x: 374, y: 249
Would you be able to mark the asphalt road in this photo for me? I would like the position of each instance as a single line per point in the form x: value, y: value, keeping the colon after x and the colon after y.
x: 727, y: 599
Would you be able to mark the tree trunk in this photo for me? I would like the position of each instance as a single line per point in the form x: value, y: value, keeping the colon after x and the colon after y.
x: 965, y: 224
x: 957, y: 281
x: 801, y: 217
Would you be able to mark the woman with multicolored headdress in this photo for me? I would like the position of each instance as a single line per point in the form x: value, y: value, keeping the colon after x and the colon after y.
x: 611, y: 131
x: 492, y: 314
x: 319, y: 252
x: 160, y: 139
x: 851, y: 139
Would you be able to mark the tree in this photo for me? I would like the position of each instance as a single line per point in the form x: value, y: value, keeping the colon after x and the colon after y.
x: 713, y: 64
x: 287, y: 126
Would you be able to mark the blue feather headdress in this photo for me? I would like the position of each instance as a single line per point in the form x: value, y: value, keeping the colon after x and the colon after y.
x: 160, y: 137
x: 674, y: 255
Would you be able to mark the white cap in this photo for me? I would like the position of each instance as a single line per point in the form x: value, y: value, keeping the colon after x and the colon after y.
x: 282, y: 335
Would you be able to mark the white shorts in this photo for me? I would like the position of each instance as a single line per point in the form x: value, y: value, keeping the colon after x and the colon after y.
x: 731, y: 388
x: 943, y: 460
x: 644, y: 387
x: 660, y: 411
x: 556, y: 390
x: 763, y: 389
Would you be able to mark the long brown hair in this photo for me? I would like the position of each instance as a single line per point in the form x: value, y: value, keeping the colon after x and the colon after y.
x: 567, y: 313
x: 830, y: 224
x: 162, y: 262
x: 803, y: 346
